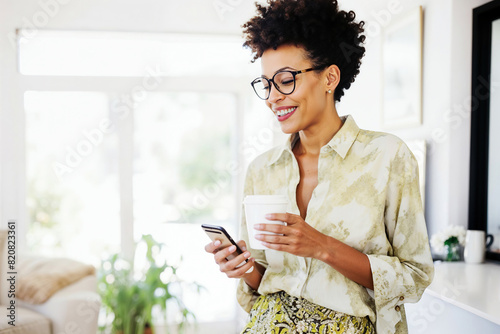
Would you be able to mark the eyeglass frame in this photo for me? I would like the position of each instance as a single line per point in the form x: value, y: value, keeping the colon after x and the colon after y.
x: 294, y: 74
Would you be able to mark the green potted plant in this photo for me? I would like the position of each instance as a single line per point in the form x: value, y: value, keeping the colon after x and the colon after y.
x: 130, y: 294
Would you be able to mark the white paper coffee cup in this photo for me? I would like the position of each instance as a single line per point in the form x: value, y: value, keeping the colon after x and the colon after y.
x: 256, y: 208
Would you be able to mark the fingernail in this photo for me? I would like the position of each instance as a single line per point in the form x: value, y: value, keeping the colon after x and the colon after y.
x: 257, y: 227
x: 232, y: 248
x: 258, y: 236
x: 217, y: 243
x: 269, y: 216
x: 246, y: 255
x: 243, y: 248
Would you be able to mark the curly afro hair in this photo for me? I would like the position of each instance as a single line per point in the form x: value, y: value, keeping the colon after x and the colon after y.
x: 329, y: 35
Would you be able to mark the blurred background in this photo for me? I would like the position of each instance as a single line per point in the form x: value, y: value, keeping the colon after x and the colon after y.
x: 123, y: 118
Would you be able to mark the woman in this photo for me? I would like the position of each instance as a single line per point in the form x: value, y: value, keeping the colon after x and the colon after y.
x: 355, y: 245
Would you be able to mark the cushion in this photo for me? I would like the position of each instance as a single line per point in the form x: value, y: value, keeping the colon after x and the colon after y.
x: 26, y: 321
x: 39, y: 278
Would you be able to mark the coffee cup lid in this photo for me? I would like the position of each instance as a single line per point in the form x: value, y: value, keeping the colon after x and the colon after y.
x: 262, y: 199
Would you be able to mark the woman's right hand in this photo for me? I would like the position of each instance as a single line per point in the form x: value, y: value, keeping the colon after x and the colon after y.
x: 229, y: 267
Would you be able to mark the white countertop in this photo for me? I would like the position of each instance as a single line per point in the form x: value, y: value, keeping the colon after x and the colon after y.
x: 473, y: 287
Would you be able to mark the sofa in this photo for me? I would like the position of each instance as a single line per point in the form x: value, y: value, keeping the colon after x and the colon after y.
x: 71, y: 307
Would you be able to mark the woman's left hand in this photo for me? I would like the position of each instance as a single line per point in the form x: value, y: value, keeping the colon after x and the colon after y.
x: 299, y: 238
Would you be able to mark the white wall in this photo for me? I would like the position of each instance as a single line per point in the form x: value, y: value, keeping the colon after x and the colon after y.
x: 446, y: 79
x: 128, y: 15
x: 447, y: 46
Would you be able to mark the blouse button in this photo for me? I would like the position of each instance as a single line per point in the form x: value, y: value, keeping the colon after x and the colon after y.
x: 401, y: 298
x: 397, y: 308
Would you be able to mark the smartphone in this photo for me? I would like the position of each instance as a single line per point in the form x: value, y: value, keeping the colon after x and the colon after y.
x: 216, y: 232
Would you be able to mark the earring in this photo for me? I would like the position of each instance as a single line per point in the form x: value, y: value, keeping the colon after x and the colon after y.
x: 329, y: 91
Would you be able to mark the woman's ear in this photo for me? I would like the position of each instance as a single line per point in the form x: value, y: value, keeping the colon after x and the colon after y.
x: 332, y: 77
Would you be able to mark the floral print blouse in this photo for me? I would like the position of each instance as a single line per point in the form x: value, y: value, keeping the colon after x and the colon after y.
x: 367, y: 197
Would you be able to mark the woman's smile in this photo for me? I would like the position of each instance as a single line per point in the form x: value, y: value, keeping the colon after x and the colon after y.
x: 284, y: 113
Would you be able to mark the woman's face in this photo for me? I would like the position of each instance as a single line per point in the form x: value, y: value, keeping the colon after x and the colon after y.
x: 307, y: 105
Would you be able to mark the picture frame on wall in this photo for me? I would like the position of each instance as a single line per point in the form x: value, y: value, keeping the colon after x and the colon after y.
x: 402, y: 71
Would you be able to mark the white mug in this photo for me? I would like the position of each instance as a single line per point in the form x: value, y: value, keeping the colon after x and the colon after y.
x: 475, y: 246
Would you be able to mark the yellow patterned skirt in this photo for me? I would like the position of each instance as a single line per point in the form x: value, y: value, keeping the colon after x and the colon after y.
x: 280, y: 313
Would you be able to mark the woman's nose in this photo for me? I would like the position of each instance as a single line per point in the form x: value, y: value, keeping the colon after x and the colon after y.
x: 275, y: 95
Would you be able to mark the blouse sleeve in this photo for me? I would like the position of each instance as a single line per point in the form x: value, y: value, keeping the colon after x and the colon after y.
x: 245, y: 294
x: 401, y: 275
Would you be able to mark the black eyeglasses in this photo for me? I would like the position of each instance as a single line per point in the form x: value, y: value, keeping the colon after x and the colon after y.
x: 283, y: 81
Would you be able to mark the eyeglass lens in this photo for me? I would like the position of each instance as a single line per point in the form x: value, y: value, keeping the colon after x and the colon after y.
x: 284, y: 81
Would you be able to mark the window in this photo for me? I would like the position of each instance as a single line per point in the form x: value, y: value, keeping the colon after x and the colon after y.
x: 110, y: 159
x: 85, y: 53
x: 71, y: 154
x: 182, y: 147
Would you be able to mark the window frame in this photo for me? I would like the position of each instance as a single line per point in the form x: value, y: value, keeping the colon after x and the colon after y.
x: 125, y: 129
x: 240, y: 89
x: 13, y: 139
